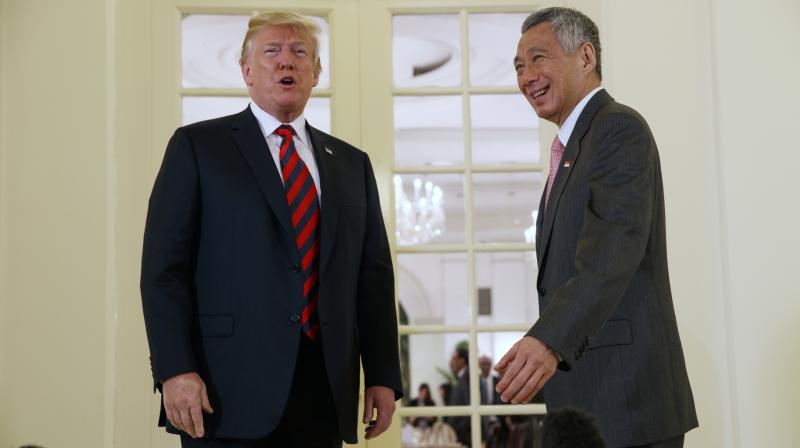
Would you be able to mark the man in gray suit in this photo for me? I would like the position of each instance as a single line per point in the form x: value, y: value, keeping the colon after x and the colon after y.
x: 607, y: 321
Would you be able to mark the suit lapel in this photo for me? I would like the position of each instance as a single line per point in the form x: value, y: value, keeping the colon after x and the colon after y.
x: 328, y: 175
x: 250, y: 141
x: 571, y: 153
x: 539, y: 224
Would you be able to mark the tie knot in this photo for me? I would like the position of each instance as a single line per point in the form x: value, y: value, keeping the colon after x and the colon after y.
x: 557, y: 148
x: 285, y: 130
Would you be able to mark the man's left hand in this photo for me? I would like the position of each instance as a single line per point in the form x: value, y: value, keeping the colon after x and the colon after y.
x: 382, y: 399
x: 525, y: 368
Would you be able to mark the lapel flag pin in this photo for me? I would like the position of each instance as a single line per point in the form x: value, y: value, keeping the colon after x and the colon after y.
x: 328, y: 150
x: 567, y: 163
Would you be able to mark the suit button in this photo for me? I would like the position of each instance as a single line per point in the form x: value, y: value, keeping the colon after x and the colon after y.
x: 295, y: 268
x: 542, y: 292
x: 295, y: 318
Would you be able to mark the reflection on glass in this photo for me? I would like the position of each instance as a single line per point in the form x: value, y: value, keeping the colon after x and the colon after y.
x: 429, y: 208
x: 502, y: 205
x: 432, y: 288
x: 428, y: 130
x: 211, y: 45
x: 509, y: 281
x: 199, y: 108
x: 426, y: 50
x: 428, y: 358
x: 505, y: 129
x: 501, y: 430
x: 513, y: 430
x: 492, y: 44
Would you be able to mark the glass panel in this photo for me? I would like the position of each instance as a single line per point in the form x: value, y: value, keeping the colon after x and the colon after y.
x: 507, y: 431
x: 509, y: 280
x: 211, y: 45
x: 432, y: 288
x: 504, y: 206
x: 416, y: 432
x: 492, y: 44
x: 428, y: 358
x: 426, y: 50
x: 429, y: 208
x: 505, y: 129
x: 198, y: 108
x: 428, y: 130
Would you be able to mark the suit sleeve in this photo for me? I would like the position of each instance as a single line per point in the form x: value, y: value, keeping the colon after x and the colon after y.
x: 377, y: 318
x: 168, y: 261
x: 613, y: 238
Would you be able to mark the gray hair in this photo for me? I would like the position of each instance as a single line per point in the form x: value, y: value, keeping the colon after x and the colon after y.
x: 572, y: 28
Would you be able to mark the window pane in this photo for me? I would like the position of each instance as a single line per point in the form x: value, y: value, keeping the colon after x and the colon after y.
x: 211, y: 45
x: 505, y: 129
x: 492, y: 45
x: 503, y: 206
x: 428, y: 130
x: 198, y: 108
x: 509, y: 279
x: 426, y: 358
x: 507, y: 431
x: 503, y: 430
x: 429, y: 208
x: 432, y: 288
x: 426, y: 50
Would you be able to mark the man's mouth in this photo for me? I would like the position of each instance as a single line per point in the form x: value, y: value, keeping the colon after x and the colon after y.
x: 287, y: 81
x: 540, y: 92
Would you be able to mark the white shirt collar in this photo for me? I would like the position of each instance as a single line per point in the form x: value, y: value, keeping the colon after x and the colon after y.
x: 269, y: 124
x: 566, y: 129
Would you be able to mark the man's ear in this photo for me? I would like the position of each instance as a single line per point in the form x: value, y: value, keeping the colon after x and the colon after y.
x: 588, y: 56
x: 245, y: 66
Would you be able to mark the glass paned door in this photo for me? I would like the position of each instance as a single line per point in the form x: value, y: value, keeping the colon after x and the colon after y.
x: 467, y: 184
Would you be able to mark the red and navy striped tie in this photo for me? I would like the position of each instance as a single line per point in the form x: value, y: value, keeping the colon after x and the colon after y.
x: 301, y: 195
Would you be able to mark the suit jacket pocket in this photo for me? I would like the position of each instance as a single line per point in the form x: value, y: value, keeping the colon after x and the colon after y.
x: 614, y: 332
x: 215, y: 325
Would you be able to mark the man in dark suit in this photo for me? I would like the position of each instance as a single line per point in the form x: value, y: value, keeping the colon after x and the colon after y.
x: 459, y: 365
x: 266, y: 271
x: 607, y: 320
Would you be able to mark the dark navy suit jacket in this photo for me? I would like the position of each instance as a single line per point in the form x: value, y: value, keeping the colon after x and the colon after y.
x: 221, y: 290
x: 604, y: 292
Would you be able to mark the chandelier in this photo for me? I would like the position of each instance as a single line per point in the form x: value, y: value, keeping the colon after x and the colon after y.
x: 421, y: 218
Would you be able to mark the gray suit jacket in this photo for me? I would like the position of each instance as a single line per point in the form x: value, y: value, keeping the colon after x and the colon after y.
x: 604, y: 292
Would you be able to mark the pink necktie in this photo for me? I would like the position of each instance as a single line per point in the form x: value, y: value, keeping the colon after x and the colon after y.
x: 556, y: 152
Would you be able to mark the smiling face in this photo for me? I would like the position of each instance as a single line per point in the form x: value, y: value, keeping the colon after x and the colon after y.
x: 280, y: 71
x: 552, y: 81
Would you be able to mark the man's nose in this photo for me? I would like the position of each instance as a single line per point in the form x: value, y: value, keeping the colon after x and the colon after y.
x: 285, y: 59
x: 528, y: 74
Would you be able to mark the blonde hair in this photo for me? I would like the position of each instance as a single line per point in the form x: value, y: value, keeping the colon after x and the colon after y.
x: 301, y: 25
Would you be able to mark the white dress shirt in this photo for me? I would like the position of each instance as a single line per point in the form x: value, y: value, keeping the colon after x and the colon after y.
x: 302, y: 143
x: 569, y: 124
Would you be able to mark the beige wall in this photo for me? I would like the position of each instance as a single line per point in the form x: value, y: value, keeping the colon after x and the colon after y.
x: 757, y: 92
x: 717, y: 81
x: 54, y: 184
x: 658, y: 61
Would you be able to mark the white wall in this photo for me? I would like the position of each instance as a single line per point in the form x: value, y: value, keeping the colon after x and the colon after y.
x: 717, y: 82
x: 757, y: 89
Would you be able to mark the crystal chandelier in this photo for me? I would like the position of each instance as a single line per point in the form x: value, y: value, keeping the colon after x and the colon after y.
x: 421, y: 218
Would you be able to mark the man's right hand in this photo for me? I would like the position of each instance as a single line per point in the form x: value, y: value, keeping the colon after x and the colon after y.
x: 185, y: 400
